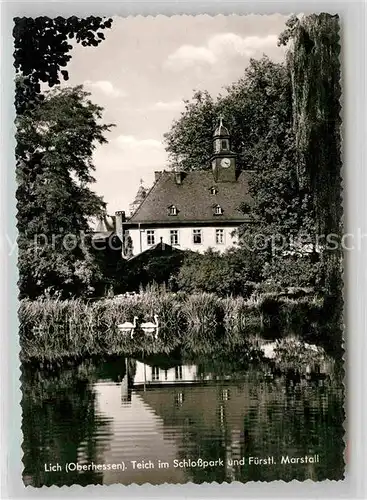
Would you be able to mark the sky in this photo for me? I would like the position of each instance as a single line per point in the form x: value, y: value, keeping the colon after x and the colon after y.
x: 142, y: 73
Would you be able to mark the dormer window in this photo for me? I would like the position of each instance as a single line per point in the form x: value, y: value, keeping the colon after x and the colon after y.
x: 218, y: 210
x: 213, y: 190
x: 172, y: 210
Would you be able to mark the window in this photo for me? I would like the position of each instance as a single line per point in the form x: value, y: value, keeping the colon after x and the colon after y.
x: 218, y: 210
x: 150, y: 238
x: 178, y: 372
x: 224, y: 144
x: 219, y: 236
x: 174, y: 237
x: 196, y: 234
x: 172, y: 210
x: 226, y: 395
x: 155, y: 373
x: 179, y: 399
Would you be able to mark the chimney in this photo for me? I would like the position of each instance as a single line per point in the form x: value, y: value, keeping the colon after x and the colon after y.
x: 157, y: 175
x: 179, y: 177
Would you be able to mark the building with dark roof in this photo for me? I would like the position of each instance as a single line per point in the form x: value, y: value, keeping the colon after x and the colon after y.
x: 193, y: 210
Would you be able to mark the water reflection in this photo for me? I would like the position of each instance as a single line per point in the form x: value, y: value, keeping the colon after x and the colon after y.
x: 166, y: 408
x: 148, y: 375
x: 60, y: 418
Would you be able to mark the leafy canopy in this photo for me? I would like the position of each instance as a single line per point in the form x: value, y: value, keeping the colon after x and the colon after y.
x: 42, y: 50
x: 250, y: 107
x: 55, y: 142
x: 57, y: 133
x: 314, y: 68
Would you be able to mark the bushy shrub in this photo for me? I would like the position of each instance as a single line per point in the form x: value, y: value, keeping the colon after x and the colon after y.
x: 231, y: 273
x: 146, y: 269
x: 292, y: 271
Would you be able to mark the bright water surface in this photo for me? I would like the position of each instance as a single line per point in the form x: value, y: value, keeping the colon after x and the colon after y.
x: 120, y: 410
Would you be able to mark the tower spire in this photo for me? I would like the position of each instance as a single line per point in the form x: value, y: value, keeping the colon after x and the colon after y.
x: 139, y: 198
x: 221, y: 130
x: 223, y: 159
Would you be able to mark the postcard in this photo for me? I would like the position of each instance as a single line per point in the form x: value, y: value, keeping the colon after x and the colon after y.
x: 180, y: 249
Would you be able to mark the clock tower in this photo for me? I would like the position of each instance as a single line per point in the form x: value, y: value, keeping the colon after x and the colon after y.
x: 223, y: 159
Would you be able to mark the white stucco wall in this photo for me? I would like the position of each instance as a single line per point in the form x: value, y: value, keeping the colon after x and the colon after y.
x: 185, y: 235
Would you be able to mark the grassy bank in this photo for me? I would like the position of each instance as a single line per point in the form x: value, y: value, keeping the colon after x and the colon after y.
x: 51, y: 329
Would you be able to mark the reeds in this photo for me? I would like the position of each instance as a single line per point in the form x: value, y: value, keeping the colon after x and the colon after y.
x: 59, y: 328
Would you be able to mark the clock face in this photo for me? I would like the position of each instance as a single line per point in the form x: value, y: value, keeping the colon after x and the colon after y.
x: 226, y: 162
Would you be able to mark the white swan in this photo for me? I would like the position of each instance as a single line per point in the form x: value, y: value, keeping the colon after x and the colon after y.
x: 128, y: 327
x: 150, y: 327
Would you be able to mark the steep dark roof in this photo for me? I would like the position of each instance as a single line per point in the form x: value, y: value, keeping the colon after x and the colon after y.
x: 193, y: 199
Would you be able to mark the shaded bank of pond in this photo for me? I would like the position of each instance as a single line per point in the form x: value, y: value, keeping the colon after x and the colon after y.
x: 220, y: 406
x: 53, y: 329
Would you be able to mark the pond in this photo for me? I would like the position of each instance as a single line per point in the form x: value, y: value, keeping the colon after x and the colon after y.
x: 180, y: 418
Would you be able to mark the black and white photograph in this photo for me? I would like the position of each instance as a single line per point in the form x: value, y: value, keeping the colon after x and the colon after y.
x: 180, y: 249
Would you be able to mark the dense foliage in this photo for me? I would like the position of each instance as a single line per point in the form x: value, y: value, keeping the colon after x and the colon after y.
x: 314, y: 67
x: 232, y: 273
x: 146, y: 269
x: 42, y: 50
x: 259, y: 100
x: 56, y: 134
x: 55, y: 142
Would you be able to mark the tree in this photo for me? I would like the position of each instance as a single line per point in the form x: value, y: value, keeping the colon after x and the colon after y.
x: 250, y: 106
x: 189, y: 143
x: 260, y: 105
x: 55, y: 142
x: 314, y: 68
x: 56, y: 136
x: 41, y: 51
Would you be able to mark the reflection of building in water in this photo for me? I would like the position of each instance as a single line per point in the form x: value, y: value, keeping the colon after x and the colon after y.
x: 179, y: 399
x: 125, y: 390
x: 169, y: 414
x: 191, y: 411
x: 185, y: 399
x: 137, y: 433
x: 127, y: 381
x: 146, y: 374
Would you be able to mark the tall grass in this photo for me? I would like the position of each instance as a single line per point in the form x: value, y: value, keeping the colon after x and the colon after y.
x: 51, y: 329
